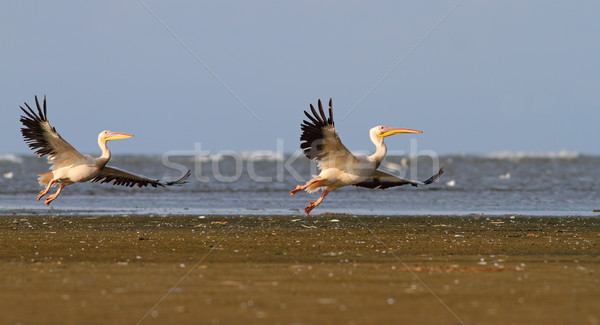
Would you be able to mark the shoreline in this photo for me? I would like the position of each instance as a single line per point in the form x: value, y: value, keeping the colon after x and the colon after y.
x: 48, y: 212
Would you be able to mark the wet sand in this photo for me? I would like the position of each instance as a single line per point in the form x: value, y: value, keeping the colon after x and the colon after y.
x: 327, y: 269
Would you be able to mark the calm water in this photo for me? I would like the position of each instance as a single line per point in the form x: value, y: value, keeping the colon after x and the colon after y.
x: 506, y: 184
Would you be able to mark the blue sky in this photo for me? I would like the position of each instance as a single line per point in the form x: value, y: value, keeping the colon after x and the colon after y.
x: 236, y: 75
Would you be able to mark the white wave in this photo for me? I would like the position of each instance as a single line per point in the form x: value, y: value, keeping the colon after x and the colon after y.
x: 11, y: 158
x: 262, y: 155
x: 392, y: 166
x: 243, y: 156
x: 563, y: 154
x: 505, y: 176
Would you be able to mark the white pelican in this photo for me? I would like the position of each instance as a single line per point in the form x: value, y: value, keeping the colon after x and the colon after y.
x: 339, y: 167
x: 69, y: 165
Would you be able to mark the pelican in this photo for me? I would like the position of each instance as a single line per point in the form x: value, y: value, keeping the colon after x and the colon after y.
x: 69, y: 165
x: 339, y: 167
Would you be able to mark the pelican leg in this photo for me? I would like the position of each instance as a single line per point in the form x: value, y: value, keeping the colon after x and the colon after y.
x: 45, y: 191
x: 303, y: 187
x: 51, y: 198
x: 314, y: 204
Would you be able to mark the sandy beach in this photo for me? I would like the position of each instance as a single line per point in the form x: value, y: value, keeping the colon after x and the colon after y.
x: 324, y: 269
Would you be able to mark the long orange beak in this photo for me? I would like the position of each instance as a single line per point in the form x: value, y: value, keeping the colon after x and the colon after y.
x: 391, y: 131
x: 117, y: 136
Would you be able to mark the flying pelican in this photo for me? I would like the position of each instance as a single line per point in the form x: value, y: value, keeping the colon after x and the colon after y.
x: 69, y: 165
x: 339, y: 167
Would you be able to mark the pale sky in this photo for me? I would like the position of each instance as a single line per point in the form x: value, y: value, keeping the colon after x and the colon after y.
x: 477, y: 77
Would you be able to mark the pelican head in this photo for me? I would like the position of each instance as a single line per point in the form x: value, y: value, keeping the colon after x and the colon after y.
x: 108, y: 135
x: 384, y: 131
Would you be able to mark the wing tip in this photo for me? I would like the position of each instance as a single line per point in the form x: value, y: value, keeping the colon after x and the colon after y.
x: 41, y: 114
x: 318, y: 114
x: 180, y: 181
x: 435, y: 177
x: 312, y: 129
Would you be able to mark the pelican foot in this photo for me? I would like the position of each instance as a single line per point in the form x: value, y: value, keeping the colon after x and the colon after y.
x: 49, y: 199
x: 42, y: 193
x: 309, y: 208
x: 294, y: 191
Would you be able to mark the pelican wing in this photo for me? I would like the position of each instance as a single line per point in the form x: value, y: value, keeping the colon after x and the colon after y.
x: 320, y: 142
x: 125, y: 178
x: 43, y: 139
x: 383, y: 180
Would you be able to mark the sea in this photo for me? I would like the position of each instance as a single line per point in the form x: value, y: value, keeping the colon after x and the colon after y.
x: 258, y: 183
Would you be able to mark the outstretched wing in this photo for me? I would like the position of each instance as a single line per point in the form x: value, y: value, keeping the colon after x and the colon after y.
x: 125, y: 178
x: 384, y: 180
x: 43, y: 139
x: 320, y: 142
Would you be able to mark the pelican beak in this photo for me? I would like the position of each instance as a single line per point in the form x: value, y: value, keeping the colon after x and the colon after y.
x: 391, y: 131
x: 117, y: 136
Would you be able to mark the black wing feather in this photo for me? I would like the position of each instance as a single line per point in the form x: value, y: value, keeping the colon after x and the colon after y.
x: 435, y: 177
x: 32, y: 132
x: 392, y: 181
x: 36, y: 132
x: 124, y: 178
x: 312, y: 131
